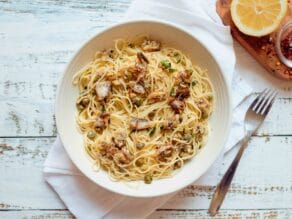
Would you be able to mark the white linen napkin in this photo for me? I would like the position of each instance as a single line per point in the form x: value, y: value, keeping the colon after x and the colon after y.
x: 87, y: 200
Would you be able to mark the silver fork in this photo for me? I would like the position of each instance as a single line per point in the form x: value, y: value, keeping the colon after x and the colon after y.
x: 254, y: 117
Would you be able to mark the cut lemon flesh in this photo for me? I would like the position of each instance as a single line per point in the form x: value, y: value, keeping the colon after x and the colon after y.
x: 258, y: 17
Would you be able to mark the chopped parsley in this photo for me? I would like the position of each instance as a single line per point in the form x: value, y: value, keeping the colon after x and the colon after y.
x: 173, y: 92
x: 171, y: 70
x: 152, y: 131
x: 103, y: 108
x: 166, y: 64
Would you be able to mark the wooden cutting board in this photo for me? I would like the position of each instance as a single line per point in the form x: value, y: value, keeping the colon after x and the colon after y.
x: 261, y: 48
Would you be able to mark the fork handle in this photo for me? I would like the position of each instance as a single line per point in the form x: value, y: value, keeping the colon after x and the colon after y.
x: 225, y: 182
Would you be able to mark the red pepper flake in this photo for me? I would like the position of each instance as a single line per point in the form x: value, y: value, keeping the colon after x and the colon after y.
x: 286, y: 46
x: 269, y: 51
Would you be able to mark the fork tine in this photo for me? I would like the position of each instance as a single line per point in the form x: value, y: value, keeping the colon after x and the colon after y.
x: 258, y: 100
x: 264, y: 101
x: 269, y: 104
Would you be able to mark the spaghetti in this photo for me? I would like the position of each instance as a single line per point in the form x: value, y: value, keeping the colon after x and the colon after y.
x: 143, y: 109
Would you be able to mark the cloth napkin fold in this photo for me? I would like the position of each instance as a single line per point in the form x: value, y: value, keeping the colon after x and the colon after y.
x: 87, y: 200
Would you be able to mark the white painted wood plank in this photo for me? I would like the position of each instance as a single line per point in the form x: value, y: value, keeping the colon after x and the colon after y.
x: 263, y: 179
x: 35, y: 116
x: 37, y: 38
x: 37, y: 214
x: 21, y: 179
x: 223, y: 214
x: 27, y: 118
x: 160, y: 214
x: 35, y: 47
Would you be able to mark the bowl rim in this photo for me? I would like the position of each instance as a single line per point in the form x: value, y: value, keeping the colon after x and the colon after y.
x: 228, y: 98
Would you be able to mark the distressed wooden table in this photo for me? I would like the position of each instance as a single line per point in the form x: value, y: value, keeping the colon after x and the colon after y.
x: 37, y: 38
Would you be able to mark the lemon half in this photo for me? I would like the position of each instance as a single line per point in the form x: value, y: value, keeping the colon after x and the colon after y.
x: 258, y: 17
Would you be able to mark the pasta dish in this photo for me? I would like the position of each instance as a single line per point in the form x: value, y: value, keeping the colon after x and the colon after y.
x: 143, y: 109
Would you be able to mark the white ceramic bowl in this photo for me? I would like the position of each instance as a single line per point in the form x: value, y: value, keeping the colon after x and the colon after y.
x: 219, y: 123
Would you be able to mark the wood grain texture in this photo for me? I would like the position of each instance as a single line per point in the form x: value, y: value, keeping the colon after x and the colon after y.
x: 259, y: 183
x: 35, y: 46
x: 160, y: 214
x: 37, y: 214
x: 32, y: 60
x: 37, y: 39
x: 200, y: 214
x: 15, y: 122
x: 261, y: 48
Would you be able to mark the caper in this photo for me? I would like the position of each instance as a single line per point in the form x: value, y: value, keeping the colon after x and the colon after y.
x: 187, y: 148
x: 176, y: 54
x: 148, y: 179
x: 194, y: 83
x: 205, y: 115
x: 91, y: 134
x: 79, y: 106
x: 151, y: 114
x: 187, y: 137
x: 177, y: 164
x: 137, y: 101
x: 183, y: 154
x: 140, y: 145
x: 139, y: 162
x: 210, y: 98
x: 121, y: 169
x: 85, y: 101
